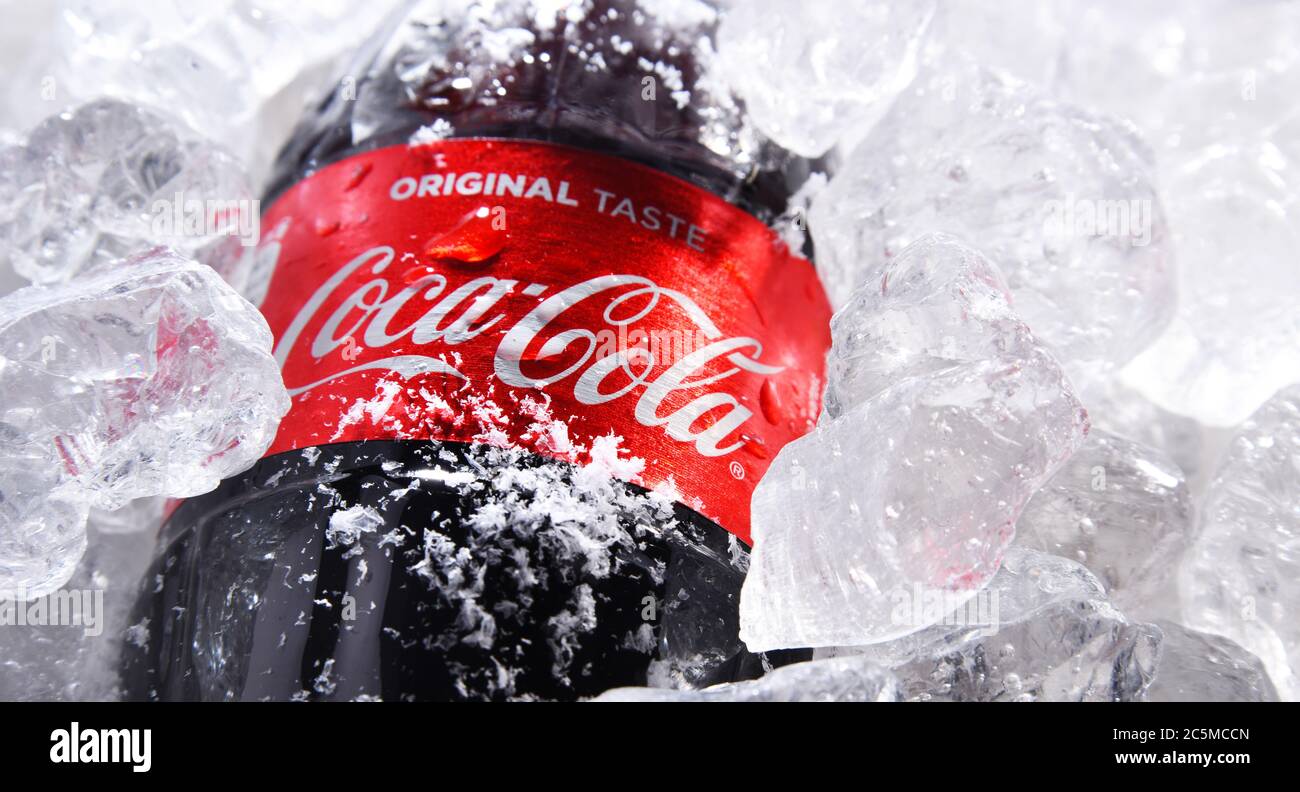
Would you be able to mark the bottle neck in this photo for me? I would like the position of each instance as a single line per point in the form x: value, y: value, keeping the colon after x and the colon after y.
x: 615, y: 82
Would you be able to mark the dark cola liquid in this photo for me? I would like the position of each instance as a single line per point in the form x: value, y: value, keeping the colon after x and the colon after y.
x: 454, y: 583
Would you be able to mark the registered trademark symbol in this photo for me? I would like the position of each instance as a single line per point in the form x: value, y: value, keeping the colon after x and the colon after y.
x: 737, y: 470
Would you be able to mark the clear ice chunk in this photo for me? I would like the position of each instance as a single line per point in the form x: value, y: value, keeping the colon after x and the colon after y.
x: 939, y: 306
x: 1122, y: 510
x: 832, y: 679
x: 239, y: 70
x: 145, y: 377
x: 1043, y: 631
x: 1060, y: 199
x: 75, y: 657
x: 1121, y: 410
x: 42, y: 532
x: 1188, y: 75
x: 110, y: 179
x: 1236, y: 337
x: 1241, y: 579
x: 1023, y: 37
x: 1195, y: 666
x: 943, y: 416
x: 1191, y: 75
x: 811, y: 85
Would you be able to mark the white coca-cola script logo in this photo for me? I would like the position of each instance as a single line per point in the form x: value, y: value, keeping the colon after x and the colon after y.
x: 371, y: 310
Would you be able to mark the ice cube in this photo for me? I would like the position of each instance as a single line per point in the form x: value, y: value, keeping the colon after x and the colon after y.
x: 812, y: 84
x: 832, y: 679
x: 1122, y: 510
x: 1124, y: 411
x: 1209, y: 86
x: 74, y: 656
x: 942, y: 420
x: 1189, y: 76
x: 938, y: 307
x: 1195, y: 666
x: 1023, y: 37
x: 110, y: 179
x: 1241, y: 579
x: 1236, y: 337
x: 145, y: 377
x: 239, y: 70
x: 42, y: 532
x: 1043, y: 631
x: 1060, y: 199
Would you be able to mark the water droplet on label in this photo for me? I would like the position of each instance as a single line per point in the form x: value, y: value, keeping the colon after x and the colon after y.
x: 358, y: 175
x: 478, y: 236
x: 415, y: 274
x: 324, y: 227
x: 769, y: 401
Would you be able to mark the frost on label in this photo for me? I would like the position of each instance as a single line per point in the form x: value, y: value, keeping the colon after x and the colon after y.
x: 445, y: 291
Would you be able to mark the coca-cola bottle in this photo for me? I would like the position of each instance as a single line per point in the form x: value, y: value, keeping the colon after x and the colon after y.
x: 541, y: 344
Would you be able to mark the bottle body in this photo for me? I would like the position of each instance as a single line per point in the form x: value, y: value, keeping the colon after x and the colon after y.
x: 252, y: 601
x: 490, y: 486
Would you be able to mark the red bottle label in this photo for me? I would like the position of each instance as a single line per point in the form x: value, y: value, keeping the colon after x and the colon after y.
x: 524, y: 294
